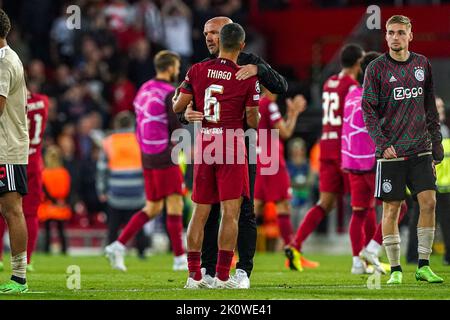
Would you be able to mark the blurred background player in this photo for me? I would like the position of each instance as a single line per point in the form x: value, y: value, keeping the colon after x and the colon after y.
x: 163, y: 178
x: 250, y: 65
x: 55, y: 208
x: 223, y: 100
x: 400, y: 114
x: 331, y: 176
x: 120, y: 179
x: 14, y: 142
x: 37, y: 113
x: 276, y: 187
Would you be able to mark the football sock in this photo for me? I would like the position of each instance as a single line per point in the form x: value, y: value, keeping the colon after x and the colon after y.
x: 425, y: 237
x: 174, y: 225
x: 356, y: 230
x: 308, y: 225
x: 392, y: 245
x: 18, y: 266
x: 33, y: 228
x: 370, y: 226
x: 133, y: 226
x: 194, y: 262
x: 285, y: 225
x: 224, y: 260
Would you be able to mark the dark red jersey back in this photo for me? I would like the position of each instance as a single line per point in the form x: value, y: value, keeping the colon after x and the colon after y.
x: 333, y: 97
x: 37, y: 106
x: 219, y: 95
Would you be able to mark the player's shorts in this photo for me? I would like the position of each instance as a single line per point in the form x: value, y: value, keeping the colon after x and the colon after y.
x: 13, y: 178
x: 32, y: 200
x: 394, y: 175
x: 219, y: 182
x: 273, y: 188
x: 161, y: 183
x: 362, y: 188
x: 331, y: 176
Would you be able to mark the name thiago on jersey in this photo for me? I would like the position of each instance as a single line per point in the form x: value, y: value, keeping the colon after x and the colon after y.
x: 218, y: 74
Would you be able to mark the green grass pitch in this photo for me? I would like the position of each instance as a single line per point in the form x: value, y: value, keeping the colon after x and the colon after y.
x: 154, y: 279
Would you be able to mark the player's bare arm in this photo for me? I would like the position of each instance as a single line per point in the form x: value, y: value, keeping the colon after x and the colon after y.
x: 295, y: 107
x: 252, y: 116
x: 2, y: 104
x: 182, y: 101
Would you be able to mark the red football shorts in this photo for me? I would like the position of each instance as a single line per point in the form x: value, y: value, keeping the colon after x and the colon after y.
x: 160, y: 183
x: 219, y: 182
x: 273, y: 188
x: 32, y: 200
x: 362, y: 189
x: 331, y: 176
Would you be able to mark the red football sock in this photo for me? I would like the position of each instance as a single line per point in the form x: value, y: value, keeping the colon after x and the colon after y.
x: 194, y: 263
x: 174, y: 225
x: 224, y: 264
x: 2, y: 233
x: 285, y: 225
x: 133, y: 226
x: 378, y: 237
x: 33, y: 229
x: 308, y: 225
x: 356, y: 230
x: 370, y: 226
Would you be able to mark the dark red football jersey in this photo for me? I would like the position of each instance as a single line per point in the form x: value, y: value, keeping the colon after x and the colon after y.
x: 218, y: 94
x: 333, y: 97
x: 37, y: 106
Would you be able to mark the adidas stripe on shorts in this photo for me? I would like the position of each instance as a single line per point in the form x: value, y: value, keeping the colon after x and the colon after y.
x: 13, y: 178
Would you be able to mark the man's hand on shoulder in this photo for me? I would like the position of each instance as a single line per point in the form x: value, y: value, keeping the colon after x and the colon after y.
x: 247, y: 71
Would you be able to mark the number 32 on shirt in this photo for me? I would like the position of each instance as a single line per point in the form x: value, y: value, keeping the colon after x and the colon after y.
x: 330, y: 104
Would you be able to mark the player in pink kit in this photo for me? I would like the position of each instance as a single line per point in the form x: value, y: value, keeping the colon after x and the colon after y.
x: 163, y: 178
x: 275, y: 186
x: 37, y: 113
x: 331, y: 177
x: 224, y: 101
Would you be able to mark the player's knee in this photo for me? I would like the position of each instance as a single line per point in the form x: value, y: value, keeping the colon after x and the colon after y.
x: 428, y: 206
x: 175, y: 204
x: 152, y: 209
x: 360, y: 211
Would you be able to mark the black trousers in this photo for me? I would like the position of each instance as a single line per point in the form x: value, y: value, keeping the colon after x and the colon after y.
x: 61, y: 234
x: 246, y: 241
x: 119, y: 217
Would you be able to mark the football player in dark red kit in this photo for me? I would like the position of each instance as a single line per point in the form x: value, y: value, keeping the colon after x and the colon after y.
x: 275, y: 186
x: 331, y: 177
x: 224, y: 100
x: 37, y: 113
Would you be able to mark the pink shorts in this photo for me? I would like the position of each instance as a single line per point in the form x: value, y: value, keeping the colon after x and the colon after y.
x: 161, y: 183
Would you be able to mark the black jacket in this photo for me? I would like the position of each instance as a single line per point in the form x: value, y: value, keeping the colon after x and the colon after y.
x: 269, y: 78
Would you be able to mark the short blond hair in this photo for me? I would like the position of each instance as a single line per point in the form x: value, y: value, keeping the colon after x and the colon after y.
x: 399, y: 19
